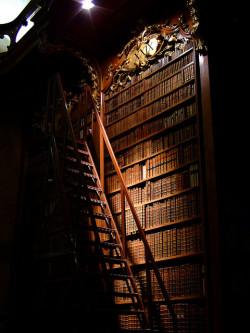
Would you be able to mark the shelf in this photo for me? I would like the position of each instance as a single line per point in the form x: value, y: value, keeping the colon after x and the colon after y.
x: 169, y: 225
x: 154, y: 177
x: 147, y: 89
x: 153, y: 72
x: 155, y: 115
x: 152, y: 135
x: 173, y: 299
x: 190, y: 189
x: 152, y: 155
x: 164, y: 259
x: 174, y: 224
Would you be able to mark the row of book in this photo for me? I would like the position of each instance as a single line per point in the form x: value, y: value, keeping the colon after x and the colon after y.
x: 171, y: 159
x: 157, y: 104
x: 178, y: 78
x: 131, y: 226
x: 180, y: 281
x: 153, y: 126
x: 153, y: 146
x: 144, y: 94
x: 162, y: 213
x: 159, y: 188
x: 128, y: 322
x: 175, y: 56
x: 167, y: 243
x: 174, y: 209
x: 162, y: 163
x: 158, y: 75
x: 190, y: 318
x: 149, y: 111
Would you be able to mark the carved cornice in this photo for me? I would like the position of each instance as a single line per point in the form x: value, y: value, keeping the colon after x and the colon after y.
x: 154, y: 42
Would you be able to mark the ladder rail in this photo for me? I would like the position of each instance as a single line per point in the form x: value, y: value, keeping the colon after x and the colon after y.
x: 118, y: 240
x: 148, y: 251
x: 88, y: 201
x: 78, y: 161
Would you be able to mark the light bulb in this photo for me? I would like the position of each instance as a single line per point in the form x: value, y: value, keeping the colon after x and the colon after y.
x: 87, y: 4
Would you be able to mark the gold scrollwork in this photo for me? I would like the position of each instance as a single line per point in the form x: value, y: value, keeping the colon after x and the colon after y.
x: 142, y: 51
x: 195, y: 28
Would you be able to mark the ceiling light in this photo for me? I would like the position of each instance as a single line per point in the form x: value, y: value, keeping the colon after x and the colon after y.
x: 87, y: 4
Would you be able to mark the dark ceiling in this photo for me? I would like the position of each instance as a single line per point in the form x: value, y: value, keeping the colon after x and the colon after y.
x: 107, y: 23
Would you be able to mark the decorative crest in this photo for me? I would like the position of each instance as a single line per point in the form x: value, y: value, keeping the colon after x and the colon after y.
x: 154, y: 42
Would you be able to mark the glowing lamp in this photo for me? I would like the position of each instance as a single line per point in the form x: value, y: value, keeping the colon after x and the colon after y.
x: 87, y: 4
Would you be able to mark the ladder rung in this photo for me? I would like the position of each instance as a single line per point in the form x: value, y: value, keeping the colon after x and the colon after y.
x: 103, y: 244
x: 72, y: 159
x: 98, y: 202
x: 102, y: 216
x: 93, y: 188
x: 72, y: 148
x: 75, y: 187
x: 111, y: 245
x: 126, y: 295
x: 90, y: 175
x: 91, y: 257
x: 99, y: 229
x: 119, y: 276
x: 96, y: 215
x: 75, y: 171
x: 93, y: 201
x: 71, y: 170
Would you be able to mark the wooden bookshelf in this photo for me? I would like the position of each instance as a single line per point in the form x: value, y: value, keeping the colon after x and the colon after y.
x: 153, y: 125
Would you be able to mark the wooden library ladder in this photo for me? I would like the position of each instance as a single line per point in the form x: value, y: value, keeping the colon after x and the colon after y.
x: 94, y: 237
x: 95, y: 245
x: 149, y: 258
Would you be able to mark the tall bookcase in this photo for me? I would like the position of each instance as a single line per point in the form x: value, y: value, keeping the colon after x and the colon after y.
x: 152, y: 115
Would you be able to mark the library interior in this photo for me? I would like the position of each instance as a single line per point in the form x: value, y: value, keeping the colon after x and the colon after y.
x: 124, y: 161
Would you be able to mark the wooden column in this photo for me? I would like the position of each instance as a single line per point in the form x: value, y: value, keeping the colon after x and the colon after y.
x: 123, y: 221
x: 213, y: 253
x: 102, y: 144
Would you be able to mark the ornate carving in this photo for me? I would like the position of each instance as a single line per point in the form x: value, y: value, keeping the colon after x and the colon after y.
x: 195, y: 30
x: 140, y: 52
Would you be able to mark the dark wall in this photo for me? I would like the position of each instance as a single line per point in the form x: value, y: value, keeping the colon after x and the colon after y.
x: 10, y: 152
x: 224, y: 29
x: 21, y: 94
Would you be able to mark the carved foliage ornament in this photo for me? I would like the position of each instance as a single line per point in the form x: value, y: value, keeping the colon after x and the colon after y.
x: 153, y: 43
x: 195, y: 29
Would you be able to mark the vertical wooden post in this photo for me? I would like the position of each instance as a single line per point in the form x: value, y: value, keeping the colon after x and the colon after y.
x: 149, y: 291
x: 212, y: 217
x: 123, y: 221
x: 102, y: 144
